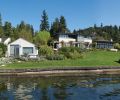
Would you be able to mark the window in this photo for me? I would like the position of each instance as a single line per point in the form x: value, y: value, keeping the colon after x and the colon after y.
x: 27, y: 50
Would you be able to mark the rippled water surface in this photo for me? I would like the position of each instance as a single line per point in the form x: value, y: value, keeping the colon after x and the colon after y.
x: 82, y: 87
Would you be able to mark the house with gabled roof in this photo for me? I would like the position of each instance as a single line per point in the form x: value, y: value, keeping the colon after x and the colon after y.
x: 21, y: 47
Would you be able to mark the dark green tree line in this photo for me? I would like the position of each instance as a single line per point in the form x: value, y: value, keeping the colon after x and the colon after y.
x: 102, y: 32
x: 59, y: 26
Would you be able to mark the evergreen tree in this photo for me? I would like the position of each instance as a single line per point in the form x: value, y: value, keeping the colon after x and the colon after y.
x: 8, y: 32
x: 59, y: 26
x: 74, y: 31
x: 1, y: 28
x: 63, y: 25
x: 101, y: 25
x: 44, y: 26
x: 116, y: 34
x: 55, y: 27
x: 15, y: 33
x: 0, y: 20
x: 32, y: 30
x: 25, y: 31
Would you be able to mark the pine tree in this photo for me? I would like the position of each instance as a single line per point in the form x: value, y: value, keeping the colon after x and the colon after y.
x: 15, y: 33
x: 0, y: 20
x: 1, y: 28
x: 25, y: 31
x: 32, y: 30
x: 44, y: 26
x: 63, y: 25
x: 55, y: 27
x: 8, y: 29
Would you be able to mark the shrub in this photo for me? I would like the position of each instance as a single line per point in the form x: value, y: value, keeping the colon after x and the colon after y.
x: 119, y: 61
x: 45, y: 50
x: 71, y: 52
x: 69, y: 49
x: 117, y: 46
x: 73, y: 55
x: 41, y: 38
x: 3, y: 49
x: 55, y: 57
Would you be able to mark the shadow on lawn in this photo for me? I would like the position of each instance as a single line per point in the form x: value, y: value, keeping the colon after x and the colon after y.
x: 118, y: 61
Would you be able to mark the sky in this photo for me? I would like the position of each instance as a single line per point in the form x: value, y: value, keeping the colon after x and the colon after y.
x: 79, y: 14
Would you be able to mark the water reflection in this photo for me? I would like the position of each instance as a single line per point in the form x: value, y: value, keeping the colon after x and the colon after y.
x: 84, y: 87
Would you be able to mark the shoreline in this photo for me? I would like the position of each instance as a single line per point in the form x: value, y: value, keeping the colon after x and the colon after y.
x: 71, y: 71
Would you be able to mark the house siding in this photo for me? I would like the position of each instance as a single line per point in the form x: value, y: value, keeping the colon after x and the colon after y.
x: 22, y: 43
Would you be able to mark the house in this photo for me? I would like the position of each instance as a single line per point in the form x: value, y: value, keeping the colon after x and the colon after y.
x: 66, y: 39
x: 86, y: 41
x: 5, y: 40
x: 69, y: 39
x: 21, y: 47
x: 104, y: 44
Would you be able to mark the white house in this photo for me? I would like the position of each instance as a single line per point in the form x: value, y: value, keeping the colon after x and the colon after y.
x: 5, y: 41
x: 83, y: 39
x: 65, y: 38
x: 86, y: 41
x: 68, y: 39
x: 21, y: 47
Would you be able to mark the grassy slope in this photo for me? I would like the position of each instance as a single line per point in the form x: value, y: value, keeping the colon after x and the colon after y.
x: 94, y: 59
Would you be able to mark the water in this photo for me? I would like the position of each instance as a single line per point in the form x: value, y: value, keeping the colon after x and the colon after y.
x: 82, y: 87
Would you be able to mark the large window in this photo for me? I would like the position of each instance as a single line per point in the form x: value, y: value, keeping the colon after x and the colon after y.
x: 27, y: 50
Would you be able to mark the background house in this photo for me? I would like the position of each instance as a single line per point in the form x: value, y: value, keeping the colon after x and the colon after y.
x: 21, y: 47
x: 5, y: 40
x: 86, y: 41
x: 69, y: 39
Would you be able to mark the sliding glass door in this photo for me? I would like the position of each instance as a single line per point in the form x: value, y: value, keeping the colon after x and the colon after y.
x: 14, y: 50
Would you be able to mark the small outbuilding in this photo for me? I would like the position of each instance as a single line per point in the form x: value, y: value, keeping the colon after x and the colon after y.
x: 21, y: 47
x: 104, y: 44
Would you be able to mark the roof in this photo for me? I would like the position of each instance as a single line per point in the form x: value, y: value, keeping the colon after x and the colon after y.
x: 71, y: 34
x: 21, y: 41
x: 4, y: 38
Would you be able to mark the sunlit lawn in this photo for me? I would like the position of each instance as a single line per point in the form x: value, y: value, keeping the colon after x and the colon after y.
x: 91, y: 59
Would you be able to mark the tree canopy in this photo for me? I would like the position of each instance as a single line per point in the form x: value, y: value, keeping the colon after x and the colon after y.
x: 102, y: 32
x: 1, y: 28
x: 41, y: 38
x: 25, y: 31
x: 44, y: 22
x: 59, y: 25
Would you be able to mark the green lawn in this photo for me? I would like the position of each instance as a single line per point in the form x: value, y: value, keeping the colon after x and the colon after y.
x: 91, y: 59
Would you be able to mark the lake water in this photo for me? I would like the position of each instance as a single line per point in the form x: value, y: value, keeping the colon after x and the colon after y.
x: 81, y: 87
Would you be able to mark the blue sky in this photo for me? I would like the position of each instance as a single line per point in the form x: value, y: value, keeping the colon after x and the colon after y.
x: 78, y: 13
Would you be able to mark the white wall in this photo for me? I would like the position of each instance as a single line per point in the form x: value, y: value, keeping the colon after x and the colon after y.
x: 22, y: 43
x: 0, y: 40
x: 8, y: 40
x: 82, y: 39
x: 65, y: 38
